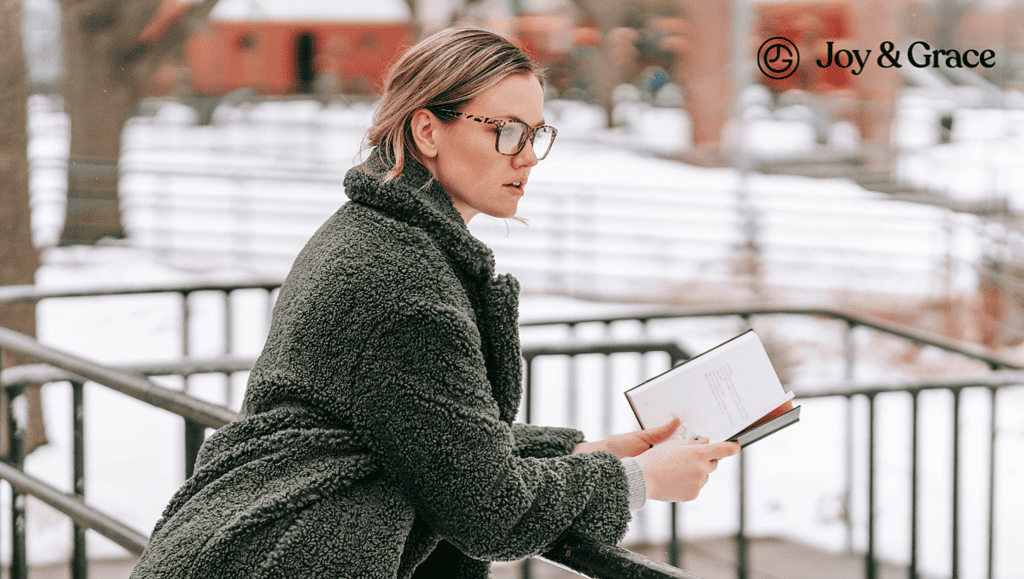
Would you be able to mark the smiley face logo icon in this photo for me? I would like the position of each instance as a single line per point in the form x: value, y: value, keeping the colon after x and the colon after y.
x: 778, y: 58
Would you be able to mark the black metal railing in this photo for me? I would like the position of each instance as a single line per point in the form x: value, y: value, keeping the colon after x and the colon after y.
x: 994, y: 382
x: 588, y: 559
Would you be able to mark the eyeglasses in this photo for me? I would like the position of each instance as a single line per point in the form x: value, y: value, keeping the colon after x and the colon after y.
x: 513, y: 135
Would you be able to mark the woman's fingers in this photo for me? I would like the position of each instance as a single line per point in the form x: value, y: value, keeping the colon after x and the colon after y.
x: 661, y: 433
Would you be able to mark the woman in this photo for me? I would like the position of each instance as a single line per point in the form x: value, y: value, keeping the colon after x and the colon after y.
x: 377, y: 437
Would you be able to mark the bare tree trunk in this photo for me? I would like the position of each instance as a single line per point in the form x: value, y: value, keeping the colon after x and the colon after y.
x: 606, y: 67
x: 705, y: 71
x: 18, y: 257
x: 112, y: 50
x: 99, y: 97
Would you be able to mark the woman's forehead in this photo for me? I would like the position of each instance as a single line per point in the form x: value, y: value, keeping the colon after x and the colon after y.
x: 517, y: 97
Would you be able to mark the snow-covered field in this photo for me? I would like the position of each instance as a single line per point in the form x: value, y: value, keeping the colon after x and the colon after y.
x: 795, y: 478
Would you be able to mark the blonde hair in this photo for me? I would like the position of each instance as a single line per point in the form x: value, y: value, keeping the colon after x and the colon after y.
x: 443, y: 71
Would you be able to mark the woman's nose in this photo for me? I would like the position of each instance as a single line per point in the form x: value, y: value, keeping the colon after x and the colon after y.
x: 527, y: 157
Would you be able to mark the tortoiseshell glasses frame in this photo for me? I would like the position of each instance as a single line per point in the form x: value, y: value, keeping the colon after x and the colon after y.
x: 512, y: 136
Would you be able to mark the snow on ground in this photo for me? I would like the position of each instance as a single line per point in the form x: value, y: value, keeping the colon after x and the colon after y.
x: 795, y: 483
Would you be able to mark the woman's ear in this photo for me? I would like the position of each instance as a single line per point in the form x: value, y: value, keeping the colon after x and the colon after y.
x: 425, y: 132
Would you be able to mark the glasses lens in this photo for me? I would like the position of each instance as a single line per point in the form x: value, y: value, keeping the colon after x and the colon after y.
x: 511, y: 137
x: 542, y: 141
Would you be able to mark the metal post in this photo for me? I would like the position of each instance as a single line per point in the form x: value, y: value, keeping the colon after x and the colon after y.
x: 674, y: 554
x: 186, y: 313
x: 914, y: 444
x: 195, y: 434
x: 571, y: 398
x: 79, y: 558
x: 16, y: 458
x: 870, y: 567
x: 850, y: 356
x: 528, y: 410
x: 192, y: 441
x: 992, y: 487
x: 607, y: 404
x: 742, y: 562
x: 956, y: 485
x: 742, y: 559
x: 228, y: 347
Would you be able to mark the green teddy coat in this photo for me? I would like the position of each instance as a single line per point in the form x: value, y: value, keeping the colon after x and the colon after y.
x: 378, y: 422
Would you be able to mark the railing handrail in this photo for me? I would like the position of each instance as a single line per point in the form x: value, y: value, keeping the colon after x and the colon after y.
x: 75, y: 508
x: 32, y: 293
x: 612, y: 562
x: 915, y: 335
x: 134, y: 385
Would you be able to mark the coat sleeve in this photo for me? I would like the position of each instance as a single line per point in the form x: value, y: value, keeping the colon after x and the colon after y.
x: 544, y: 441
x: 432, y: 423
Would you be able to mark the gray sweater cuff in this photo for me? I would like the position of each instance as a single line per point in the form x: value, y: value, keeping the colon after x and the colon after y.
x: 637, y: 486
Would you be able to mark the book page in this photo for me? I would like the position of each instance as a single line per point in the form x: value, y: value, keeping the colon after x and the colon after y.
x: 716, y: 394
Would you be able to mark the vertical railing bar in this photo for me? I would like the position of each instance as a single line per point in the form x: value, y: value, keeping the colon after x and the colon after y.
x: 742, y: 554
x: 524, y: 566
x: 956, y: 486
x: 16, y: 458
x: 270, y: 307
x: 850, y: 361
x: 195, y: 434
x: 528, y: 410
x: 641, y: 516
x: 869, y: 557
x: 674, y: 552
x: 79, y: 556
x: 186, y: 314
x: 571, y: 398
x: 914, y: 451
x: 607, y: 422
x: 742, y: 562
x: 191, y: 450
x: 992, y: 486
x: 228, y: 347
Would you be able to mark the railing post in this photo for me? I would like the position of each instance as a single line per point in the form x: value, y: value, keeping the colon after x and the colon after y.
x: 955, y: 547
x: 992, y: 487
x: 186, y: 315
x: 79, y: 558
x: 228, y: 347
x: 16, y: 458
x: 524, y: 567
x: 850, y: 359
x: 674, y: 552
x: 572, y: 387
x: 195, y: 434
x: 914, y: 443
x: 742, y: 560
x: 528, y: 395
x: 607, y: 403
x: 742, y: 548
x: 870, y: 566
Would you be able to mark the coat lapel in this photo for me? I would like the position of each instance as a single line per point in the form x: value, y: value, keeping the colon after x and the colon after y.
x: 420, y: 201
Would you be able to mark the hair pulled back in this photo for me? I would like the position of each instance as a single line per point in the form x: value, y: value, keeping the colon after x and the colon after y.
x: 443, y: 71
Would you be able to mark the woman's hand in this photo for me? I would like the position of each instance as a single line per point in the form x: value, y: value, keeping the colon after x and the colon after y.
x: 630, y: 444
x: 677, y: 472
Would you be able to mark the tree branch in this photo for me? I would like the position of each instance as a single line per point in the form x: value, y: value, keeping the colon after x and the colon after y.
x: 146, y: 59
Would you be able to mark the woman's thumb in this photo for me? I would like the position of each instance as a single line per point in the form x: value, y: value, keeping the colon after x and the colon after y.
x: 663, y: 432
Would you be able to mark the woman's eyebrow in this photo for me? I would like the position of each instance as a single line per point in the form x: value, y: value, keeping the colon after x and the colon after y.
x: 516, y: 118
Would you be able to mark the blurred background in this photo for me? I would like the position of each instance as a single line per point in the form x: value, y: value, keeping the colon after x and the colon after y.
x: 163, y: 161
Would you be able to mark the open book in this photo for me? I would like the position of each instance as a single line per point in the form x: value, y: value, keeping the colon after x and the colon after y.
x: 730, y: 392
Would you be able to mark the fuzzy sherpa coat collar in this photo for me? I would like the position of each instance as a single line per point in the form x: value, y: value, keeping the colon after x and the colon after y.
x: 418, y: 199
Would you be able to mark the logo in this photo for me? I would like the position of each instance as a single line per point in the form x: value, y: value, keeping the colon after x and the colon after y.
x: 778, y: 58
